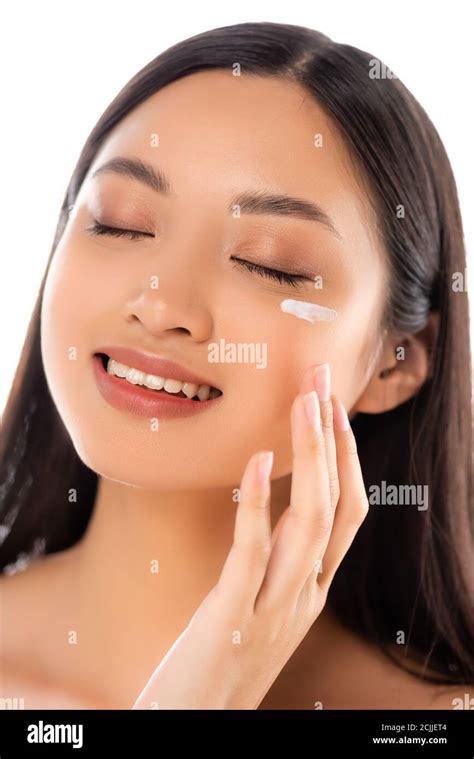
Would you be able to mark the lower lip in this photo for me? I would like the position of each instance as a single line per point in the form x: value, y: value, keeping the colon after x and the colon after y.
x: 138, y: 400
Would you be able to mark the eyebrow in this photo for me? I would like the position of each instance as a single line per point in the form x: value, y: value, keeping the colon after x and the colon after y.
x: 249, y: 202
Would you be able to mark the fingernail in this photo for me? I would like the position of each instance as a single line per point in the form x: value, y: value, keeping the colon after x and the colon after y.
x: 265, y: 463
x: 341, y: 420
x: 322, y: 382
x: 311, y: 407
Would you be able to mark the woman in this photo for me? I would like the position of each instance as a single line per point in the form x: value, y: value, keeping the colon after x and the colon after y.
x: 260, y: 215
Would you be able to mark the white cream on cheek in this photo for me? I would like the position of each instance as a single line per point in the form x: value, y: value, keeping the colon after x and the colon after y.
x: 309, y: 311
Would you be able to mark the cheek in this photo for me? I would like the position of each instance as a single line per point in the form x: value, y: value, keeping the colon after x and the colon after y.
x: 71, y: 302
x: 83, y: 293
x: 82, y: 307
x: 82, y: 303
x: 346, y: 343
x: 263, y: 380
x: 70, y: 316
x: 77, y: 306
x: 62, y: 325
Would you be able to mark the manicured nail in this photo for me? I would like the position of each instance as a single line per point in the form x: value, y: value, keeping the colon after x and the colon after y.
x: 311, y: 407
x: 322, y: 382
x: 341, y: 420
x: 264, y: 466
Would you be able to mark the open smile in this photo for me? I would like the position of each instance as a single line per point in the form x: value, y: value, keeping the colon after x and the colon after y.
x: 129, y: 388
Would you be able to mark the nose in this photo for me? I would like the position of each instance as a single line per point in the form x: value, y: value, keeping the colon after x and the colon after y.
x: 166, y: 309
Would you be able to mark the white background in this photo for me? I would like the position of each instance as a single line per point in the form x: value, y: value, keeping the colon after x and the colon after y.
x: 62, y: 64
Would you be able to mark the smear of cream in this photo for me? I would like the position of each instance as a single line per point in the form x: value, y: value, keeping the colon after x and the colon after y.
x: 309, y: 311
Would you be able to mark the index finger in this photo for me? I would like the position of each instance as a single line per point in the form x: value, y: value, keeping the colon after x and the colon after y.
x: 306, y: 528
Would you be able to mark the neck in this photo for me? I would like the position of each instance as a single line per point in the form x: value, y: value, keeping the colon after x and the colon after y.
x: 148, y: 559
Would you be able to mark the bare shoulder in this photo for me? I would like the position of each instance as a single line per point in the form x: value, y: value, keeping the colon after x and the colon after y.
x: 29, y: 600
x: 422, y: 693
x: 454, y: 697
x: 406, y: 685
x: 39, y: 585
x: 14, y: 585
x: 336, y: 669
x: 19, y: 690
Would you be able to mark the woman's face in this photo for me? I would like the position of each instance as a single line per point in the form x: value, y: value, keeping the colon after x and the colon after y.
x: 179, y: 290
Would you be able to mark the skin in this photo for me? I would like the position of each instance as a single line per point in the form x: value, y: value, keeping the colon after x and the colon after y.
x: 214, y: 142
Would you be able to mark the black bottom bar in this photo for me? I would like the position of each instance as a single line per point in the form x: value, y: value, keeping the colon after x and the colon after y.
x: 152, y: 733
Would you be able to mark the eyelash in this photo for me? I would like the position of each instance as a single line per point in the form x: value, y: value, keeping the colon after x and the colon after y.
x: 102, y: 229
x: 282, y: 277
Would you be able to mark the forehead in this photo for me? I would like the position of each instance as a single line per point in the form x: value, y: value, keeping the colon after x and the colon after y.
x: 217, y: 134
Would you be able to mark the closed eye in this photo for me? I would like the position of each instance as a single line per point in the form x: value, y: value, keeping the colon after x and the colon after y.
x: 102, y: 229
x: 264, y: 271
x: 281, y: 276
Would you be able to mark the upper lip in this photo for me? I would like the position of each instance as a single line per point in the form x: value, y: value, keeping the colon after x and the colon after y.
x: 151, y: 364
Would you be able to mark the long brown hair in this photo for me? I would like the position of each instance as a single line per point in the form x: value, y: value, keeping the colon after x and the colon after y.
x: 408, y: 570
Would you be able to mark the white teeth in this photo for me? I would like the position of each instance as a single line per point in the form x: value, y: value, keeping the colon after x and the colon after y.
x: 173, y: 386
x: 154, y: 382
x: 135, y: 377
x: 120, y: 370
x: 190, y: 389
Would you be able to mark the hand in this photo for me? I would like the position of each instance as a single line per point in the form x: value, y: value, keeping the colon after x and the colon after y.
x: 271, y: 589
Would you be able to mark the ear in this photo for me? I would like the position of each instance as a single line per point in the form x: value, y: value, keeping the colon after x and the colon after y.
x: 402, y: 368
